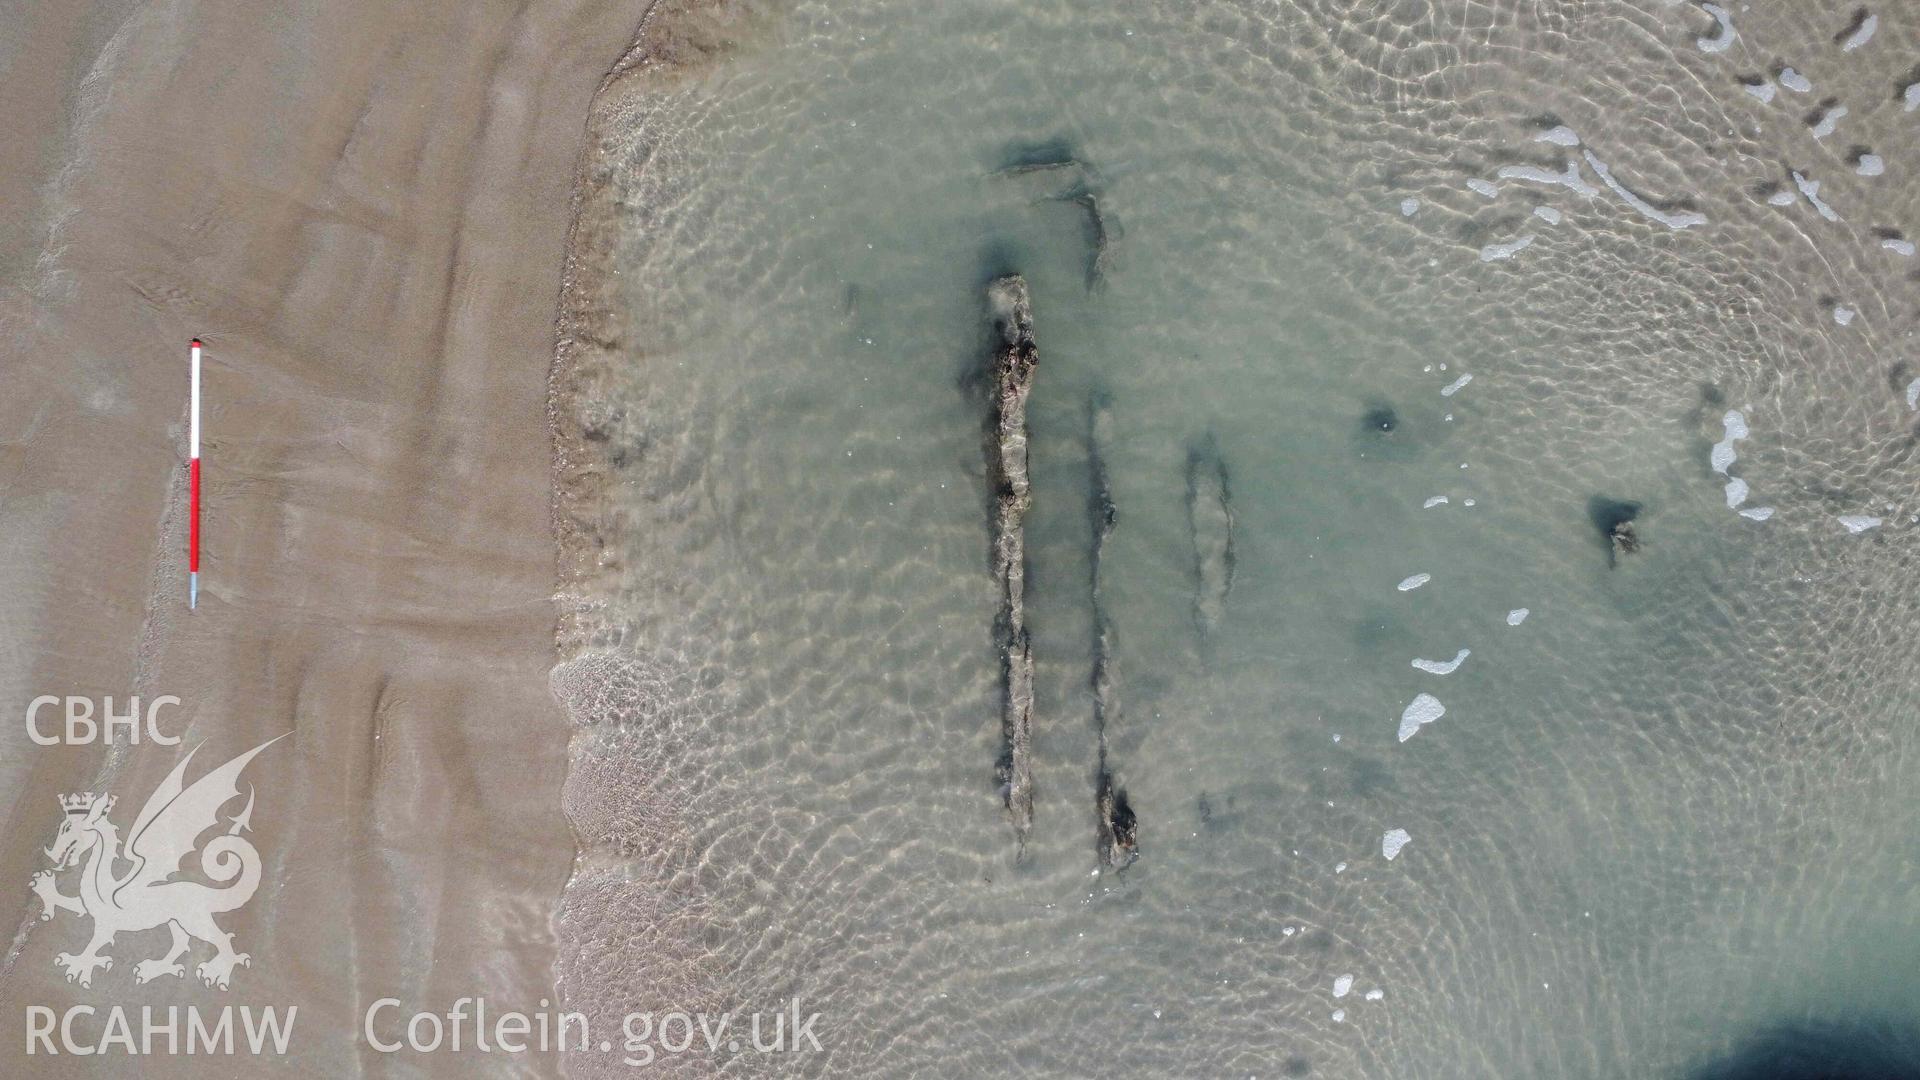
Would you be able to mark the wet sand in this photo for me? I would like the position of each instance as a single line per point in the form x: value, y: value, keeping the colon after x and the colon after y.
x: 362, y: 210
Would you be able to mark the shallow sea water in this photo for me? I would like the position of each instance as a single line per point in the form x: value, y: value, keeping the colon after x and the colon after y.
x: 1664, y: 815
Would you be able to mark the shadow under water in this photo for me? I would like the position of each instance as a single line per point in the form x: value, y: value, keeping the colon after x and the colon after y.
x: 1875, y: 1049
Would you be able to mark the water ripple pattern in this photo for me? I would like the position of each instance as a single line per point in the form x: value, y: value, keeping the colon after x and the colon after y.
x: 1670, y: 810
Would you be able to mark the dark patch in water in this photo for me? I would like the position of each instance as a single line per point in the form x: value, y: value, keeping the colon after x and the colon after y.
x: 1379, y: 628
x: 1873, y: 1049
x: 1852, y: 28
x: 1368, y: 777
x: 1819, y: 112
x: 1900, y: 86
x: 1297, y: 1066
x: 1222, y: 812
x: 998, y: 259
x: 1100, y: 230
x: 1210, y: 521
x: 1614, y: 519
x: 1053, y: 153
x: 1381, y: 433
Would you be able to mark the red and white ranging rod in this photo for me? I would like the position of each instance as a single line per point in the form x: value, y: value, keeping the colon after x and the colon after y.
x: 193, y: 484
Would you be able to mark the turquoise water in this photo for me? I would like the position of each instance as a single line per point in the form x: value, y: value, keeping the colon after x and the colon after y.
x: 1660, y: 815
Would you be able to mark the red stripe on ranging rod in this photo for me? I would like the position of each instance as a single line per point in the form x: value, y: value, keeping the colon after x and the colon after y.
x: 193, y: 479
x: 193, y: 518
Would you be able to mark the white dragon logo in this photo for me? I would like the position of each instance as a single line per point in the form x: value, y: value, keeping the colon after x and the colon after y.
x: 145, y: 897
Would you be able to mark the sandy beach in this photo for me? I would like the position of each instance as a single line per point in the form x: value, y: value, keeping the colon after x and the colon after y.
x: 362, y: 210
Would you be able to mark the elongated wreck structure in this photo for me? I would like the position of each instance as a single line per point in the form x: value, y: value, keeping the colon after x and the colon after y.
x: 1117, y: 831
x: 1011, y: 369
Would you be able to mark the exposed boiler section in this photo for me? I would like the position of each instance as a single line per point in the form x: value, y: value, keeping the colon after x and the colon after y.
x: 1117, y: 830
x: 1012, y: 367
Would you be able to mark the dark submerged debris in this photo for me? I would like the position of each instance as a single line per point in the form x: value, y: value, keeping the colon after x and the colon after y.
x: 1614, y: 519
x: 1067, y: 179
x: 1210, y: 517
x: 1118, y: 831
x: 1040, y: 156
x: 1101, y: 232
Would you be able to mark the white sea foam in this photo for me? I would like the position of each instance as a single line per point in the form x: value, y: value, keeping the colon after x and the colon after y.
x: 1859, y: 523
x: 1811, y: 189
x: 1684, y: 220
x: 1409, y: 206
x: 1794, y: 81
x: 1824, y: 127
x: 1913, y: 395
x: 1757, y: 513
x: 1339, y: 1016
x: 1764, y: 90
x: 1342, y: 985
x: 1376, y: 994
x: 1870, y: 165
x: 1497, y: 252
x: 1722, y: 39
x: 1559, y: 136
x: 1455, y: 386
x: 1391, y: 842
x: 1898, y: 246
x: 1484, y: 187
x: 1414, y: 582
x: 1734, y: 425
x: 1842, y: 314
x: 1861, y: 34
x: 1433, y: 501
x: 1911, y: 95
x: 1547, y: 214
x: 1517, y: 616
x: 1423, y: 710
x: 1568, y: 178
x: 1780, y: 198
x: 1444, y: 667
